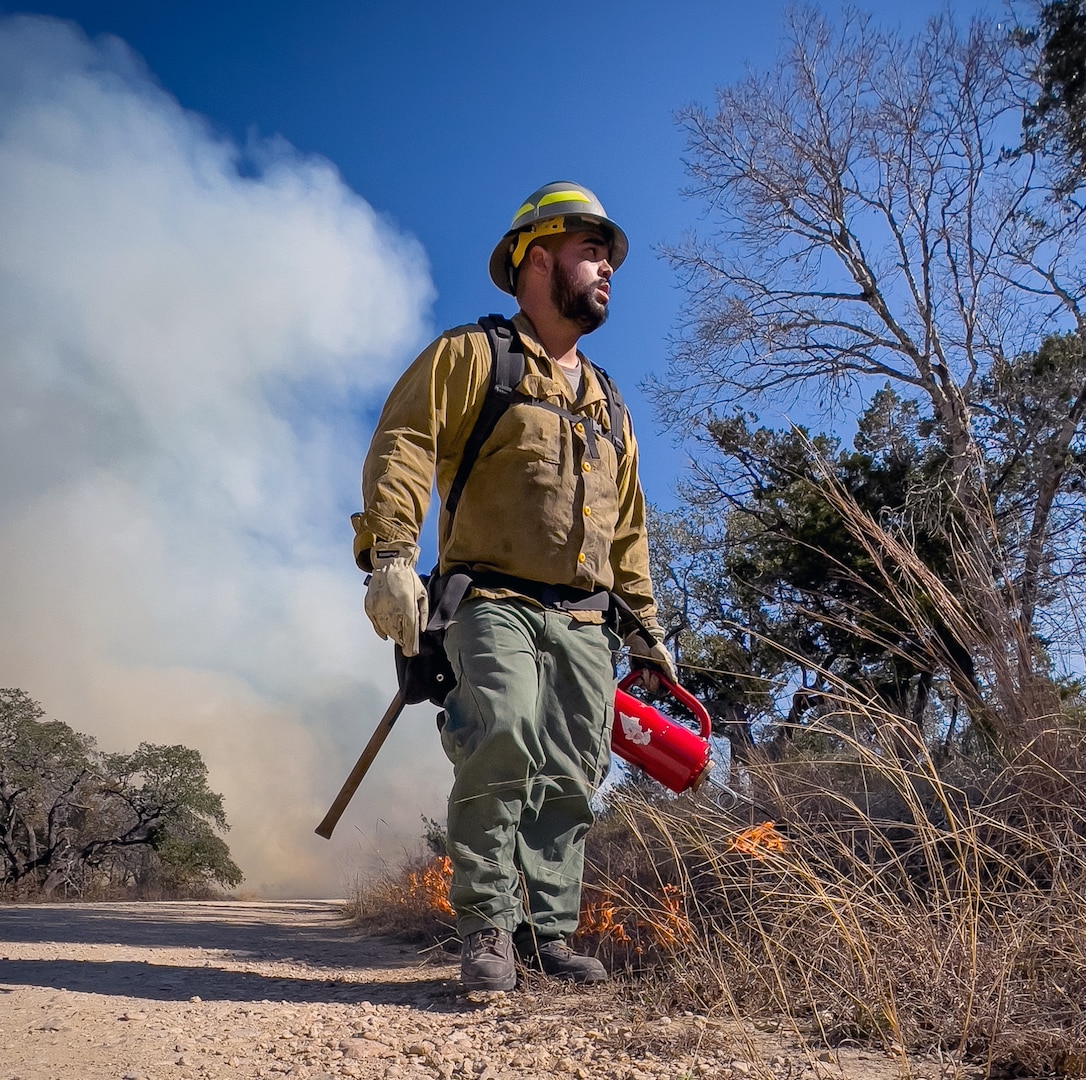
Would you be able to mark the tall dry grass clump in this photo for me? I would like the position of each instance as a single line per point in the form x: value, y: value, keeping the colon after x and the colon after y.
x: 877, y: 884
x: 408, y: 899
x: 884, y: 903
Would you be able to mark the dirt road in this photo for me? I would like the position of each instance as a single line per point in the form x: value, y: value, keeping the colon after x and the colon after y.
x: 203, y: 991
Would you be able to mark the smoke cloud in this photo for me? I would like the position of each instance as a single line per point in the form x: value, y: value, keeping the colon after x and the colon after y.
x: 192, y: 335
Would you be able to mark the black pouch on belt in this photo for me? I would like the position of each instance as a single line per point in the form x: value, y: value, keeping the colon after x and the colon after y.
x: 429, y: 676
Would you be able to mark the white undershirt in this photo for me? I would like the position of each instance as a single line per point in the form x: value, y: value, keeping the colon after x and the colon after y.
x: 575, y: 377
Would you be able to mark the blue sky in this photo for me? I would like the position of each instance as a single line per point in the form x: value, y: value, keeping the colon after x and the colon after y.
x: 225, y: 228
x: 444, y: 116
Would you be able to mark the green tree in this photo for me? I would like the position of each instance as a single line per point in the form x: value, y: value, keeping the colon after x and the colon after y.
x: 1054, y: 121
x: 169, y: 806
x: 779, y: 593
x: 1028, y: 414
x: 72, y: 815
x: 46, y: 782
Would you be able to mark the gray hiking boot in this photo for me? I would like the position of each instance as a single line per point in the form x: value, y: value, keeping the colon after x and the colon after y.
x: 558, y: 959
x: 486, y: 960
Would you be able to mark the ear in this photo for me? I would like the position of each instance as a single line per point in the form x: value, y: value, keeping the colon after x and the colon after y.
x: 539, y: 258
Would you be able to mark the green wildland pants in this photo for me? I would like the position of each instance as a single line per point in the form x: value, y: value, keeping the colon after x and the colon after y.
x: 528, y: 731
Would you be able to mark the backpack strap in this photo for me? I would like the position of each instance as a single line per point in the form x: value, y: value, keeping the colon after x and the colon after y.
x: 506, y: 370
x: 616, y: 410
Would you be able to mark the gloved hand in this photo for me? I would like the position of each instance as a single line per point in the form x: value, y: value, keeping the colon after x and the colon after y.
x: 396, y: 600
x: 648, y: 657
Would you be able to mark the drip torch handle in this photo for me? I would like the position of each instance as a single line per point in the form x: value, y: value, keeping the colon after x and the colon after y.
x: 680, y: 695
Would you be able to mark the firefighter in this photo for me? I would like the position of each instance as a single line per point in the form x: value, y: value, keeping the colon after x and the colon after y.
x: 550, y: 523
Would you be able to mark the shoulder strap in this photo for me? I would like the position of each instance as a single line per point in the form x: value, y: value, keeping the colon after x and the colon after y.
x: 506, y: 371
x: 616, y: 410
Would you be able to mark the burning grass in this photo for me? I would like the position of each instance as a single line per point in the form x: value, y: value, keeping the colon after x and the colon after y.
x: 876, y: 886
x: 881, y: 883
x: 956, y: 923
x: 893, y: 906
x: 409, y: 901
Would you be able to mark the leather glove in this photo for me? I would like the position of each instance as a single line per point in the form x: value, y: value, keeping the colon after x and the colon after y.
x: 650, y: 659
x: 396, y: 600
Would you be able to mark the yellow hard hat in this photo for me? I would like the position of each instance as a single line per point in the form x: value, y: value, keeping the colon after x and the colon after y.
x: 561, y: 206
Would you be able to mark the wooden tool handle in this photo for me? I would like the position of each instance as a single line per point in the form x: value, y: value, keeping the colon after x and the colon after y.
x: 361, y: 767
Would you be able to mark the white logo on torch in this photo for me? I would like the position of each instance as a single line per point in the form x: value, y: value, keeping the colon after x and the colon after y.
x: 633, y: 730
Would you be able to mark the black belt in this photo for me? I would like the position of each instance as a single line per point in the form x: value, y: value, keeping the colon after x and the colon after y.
x: 448, y: 591
x: 562, y: 597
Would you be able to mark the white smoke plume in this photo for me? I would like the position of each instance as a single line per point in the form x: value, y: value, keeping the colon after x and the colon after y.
x: 191, y: 337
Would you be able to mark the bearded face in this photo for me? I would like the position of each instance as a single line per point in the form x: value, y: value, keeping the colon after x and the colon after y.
x: 577, y: 301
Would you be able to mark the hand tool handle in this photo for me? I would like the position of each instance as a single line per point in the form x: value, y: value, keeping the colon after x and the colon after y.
x: 361, y: 767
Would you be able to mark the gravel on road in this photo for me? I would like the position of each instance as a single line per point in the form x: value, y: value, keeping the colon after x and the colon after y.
x: 232, y: 989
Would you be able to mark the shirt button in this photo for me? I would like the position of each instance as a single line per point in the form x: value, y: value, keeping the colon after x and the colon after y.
x: 588, y: 511
x: 580, y: 556
x: 579, y: 428
x: 585, y: 467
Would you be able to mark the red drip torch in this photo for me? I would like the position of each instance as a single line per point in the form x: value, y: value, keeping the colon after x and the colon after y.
x: 669, y: 752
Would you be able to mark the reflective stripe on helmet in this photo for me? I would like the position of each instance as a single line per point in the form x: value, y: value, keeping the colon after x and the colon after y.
x: 548, y: 199
x: 563, y: 196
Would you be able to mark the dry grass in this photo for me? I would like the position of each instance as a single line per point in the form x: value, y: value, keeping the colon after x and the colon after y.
x: 31, y: 893
x: 887, y: 905
x: 901, y: 900
x: 904, y: 912
x: 410, y: 901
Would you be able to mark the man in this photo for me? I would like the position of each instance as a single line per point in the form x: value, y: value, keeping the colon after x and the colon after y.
x: 550, y: 522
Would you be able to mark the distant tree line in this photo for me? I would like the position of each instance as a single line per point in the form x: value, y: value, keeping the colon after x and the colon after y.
x: 75, y: 821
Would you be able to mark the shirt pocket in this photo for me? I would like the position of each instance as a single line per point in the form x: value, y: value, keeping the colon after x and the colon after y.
x: 527, y: 433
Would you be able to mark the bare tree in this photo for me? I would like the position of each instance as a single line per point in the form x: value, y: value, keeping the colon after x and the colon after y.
x: 866, y: 224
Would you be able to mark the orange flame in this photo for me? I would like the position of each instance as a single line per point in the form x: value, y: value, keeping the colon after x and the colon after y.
x: 599, y: 918
x: 667, y: 927
x: 757, y: 840
x: 672, y: 926
x: 431, y: 886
